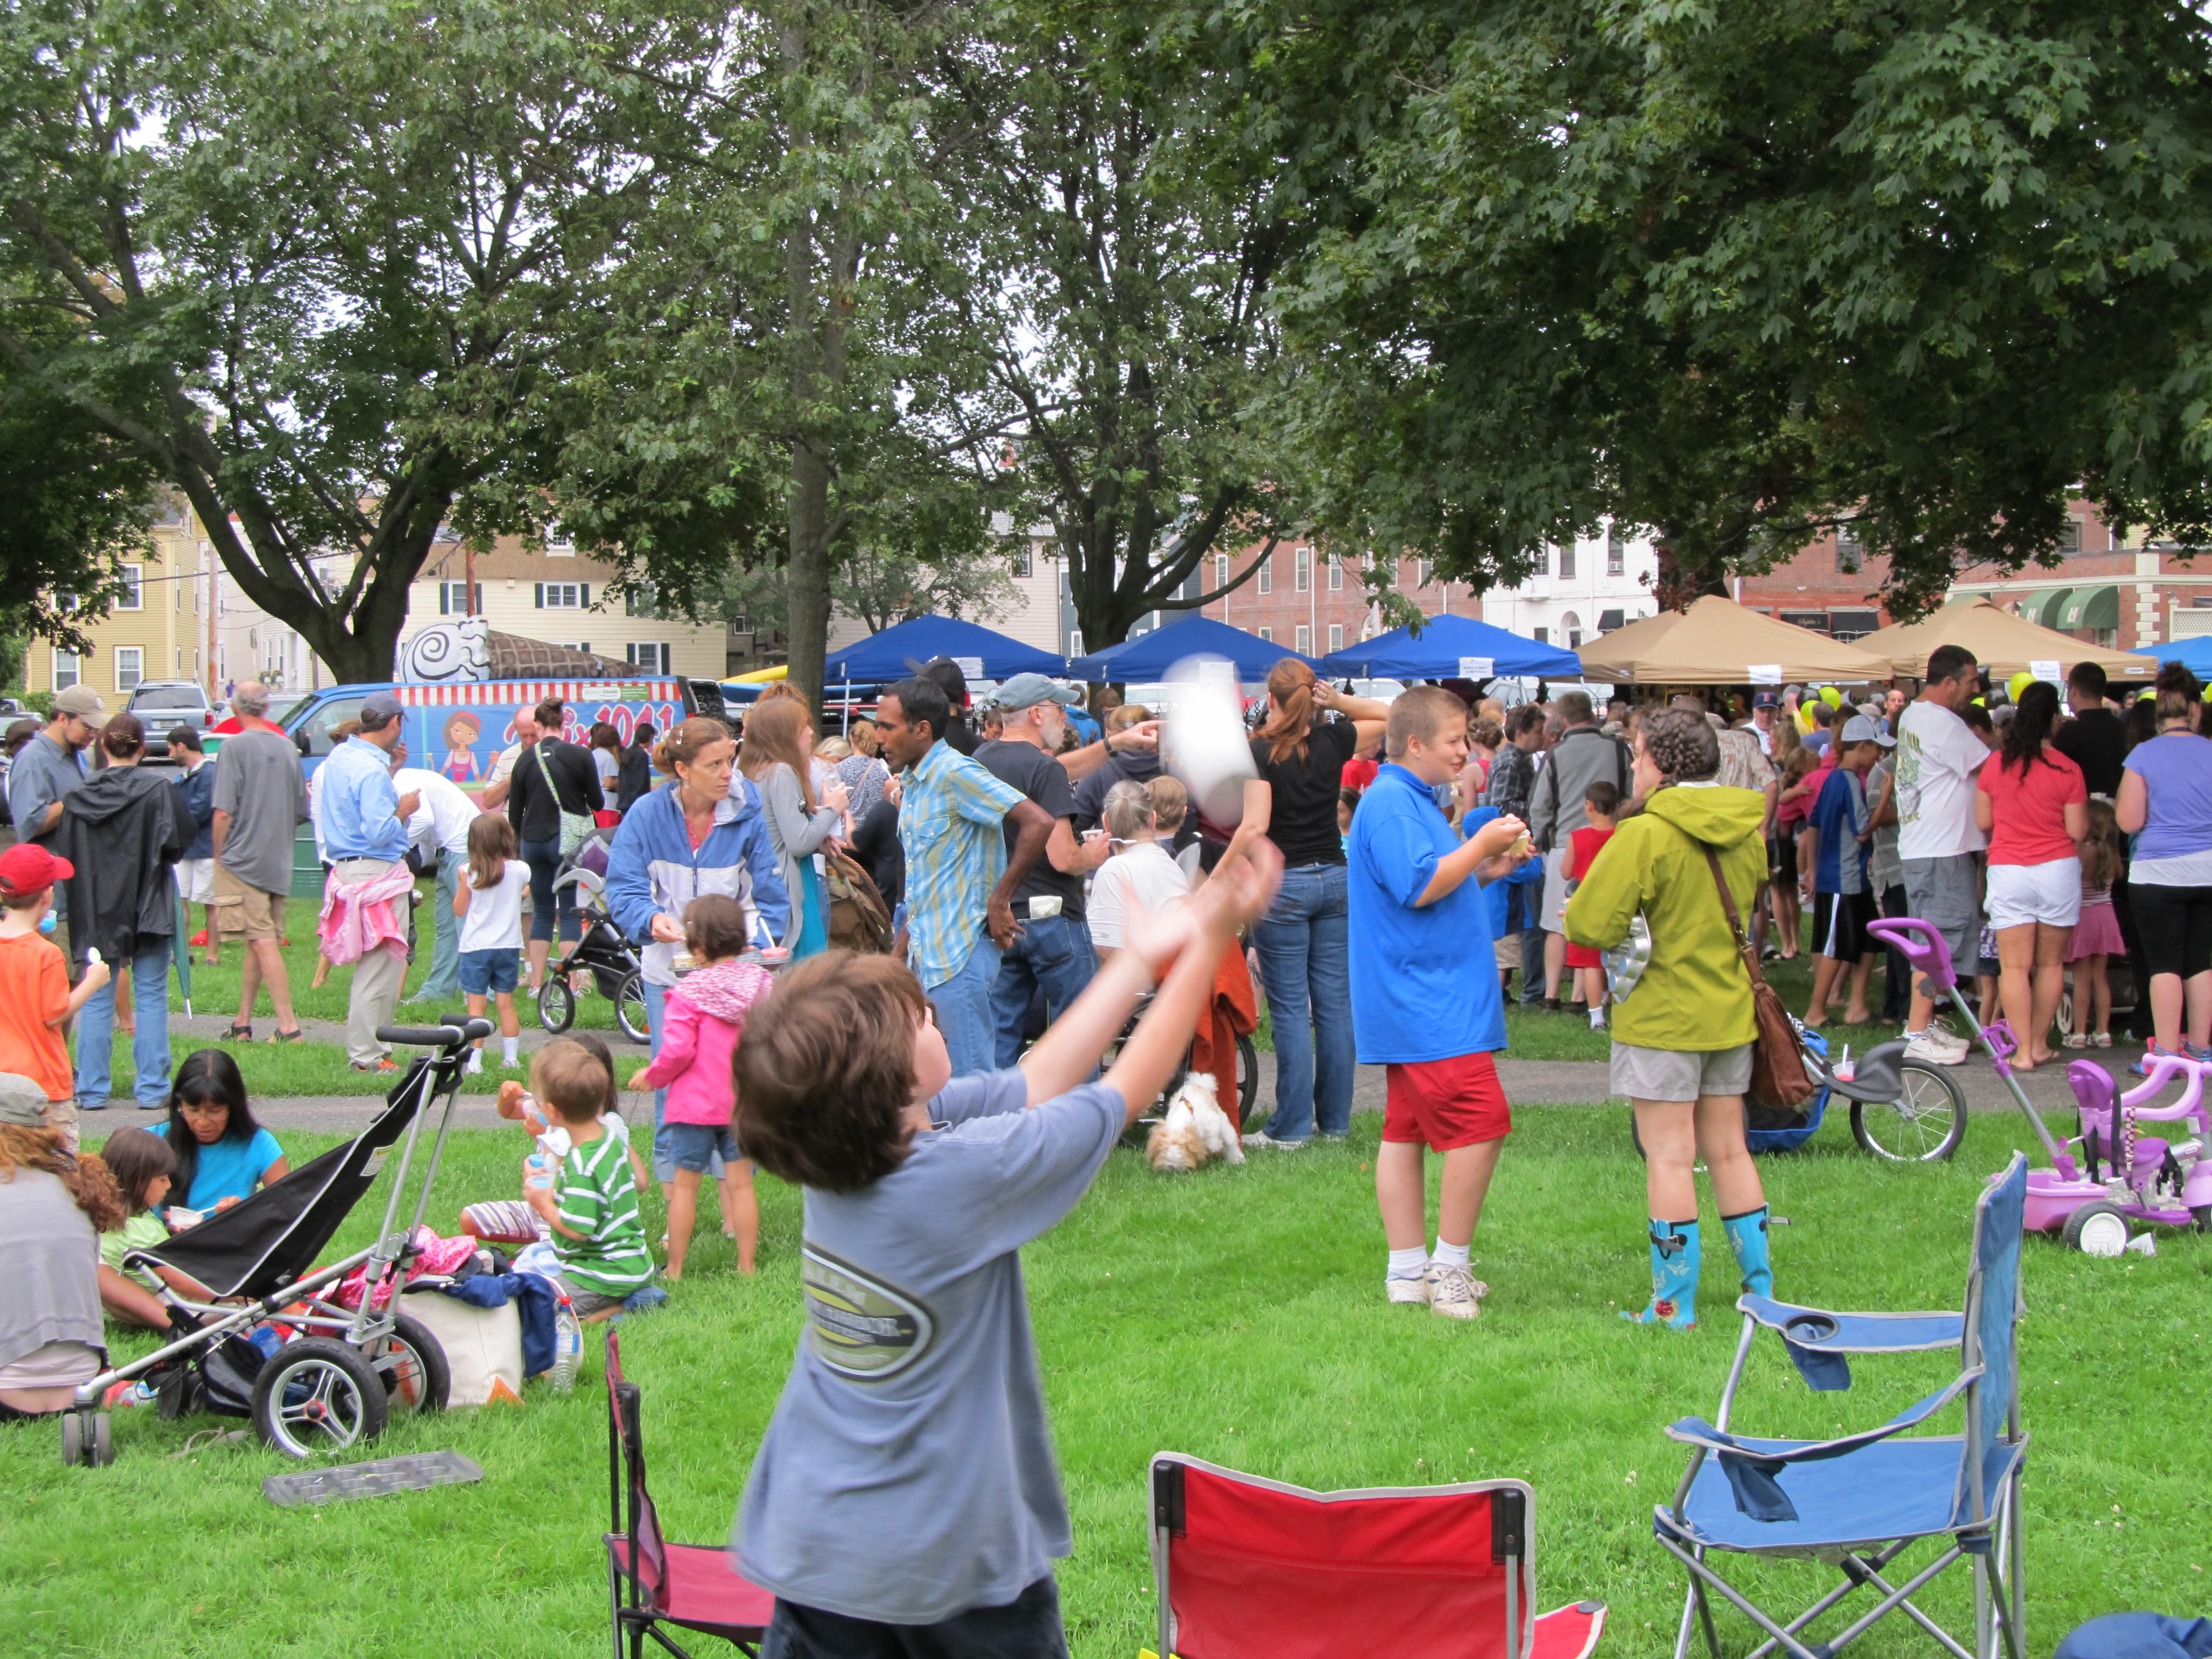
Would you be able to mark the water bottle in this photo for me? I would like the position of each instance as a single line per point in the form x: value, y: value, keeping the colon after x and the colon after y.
x: 540, y: 1165
x: 48, y: 922
x: 568, y: 1347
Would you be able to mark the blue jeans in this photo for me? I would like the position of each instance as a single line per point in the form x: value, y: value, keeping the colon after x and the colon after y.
x: 964, y: 1013
x: 544, y: 858
x: 95, y: 1033
x: 1054, y: 956
x: 664, y: 1143
x: 1524, y: 905
x: 1305, y: 968
x: 443, y: 979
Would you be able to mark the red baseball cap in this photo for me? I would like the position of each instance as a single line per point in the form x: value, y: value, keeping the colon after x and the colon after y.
x: 25, y: 868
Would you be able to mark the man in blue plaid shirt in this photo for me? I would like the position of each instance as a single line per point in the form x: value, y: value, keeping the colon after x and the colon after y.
x: 960, y: 877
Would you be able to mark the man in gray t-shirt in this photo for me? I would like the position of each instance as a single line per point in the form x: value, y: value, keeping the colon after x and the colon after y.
x: 260, y: 802
x: 49, y: 767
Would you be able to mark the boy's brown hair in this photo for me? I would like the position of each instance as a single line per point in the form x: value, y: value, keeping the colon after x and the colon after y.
x: 137, y: 1158
x: 714, y: 927
x: 826, y: 1072
x: 570, y: 1081
x: 37, y: 899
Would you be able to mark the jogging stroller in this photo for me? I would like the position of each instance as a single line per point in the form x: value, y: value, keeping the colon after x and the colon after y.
x: 603, y: 951
x: 270, y: 1344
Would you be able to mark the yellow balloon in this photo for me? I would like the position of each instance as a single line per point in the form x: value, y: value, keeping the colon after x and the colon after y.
x: 2018, y: 684
x: 1830, y: 696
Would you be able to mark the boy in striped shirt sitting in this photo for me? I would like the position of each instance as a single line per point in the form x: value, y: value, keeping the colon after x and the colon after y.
x: 591, y: 1202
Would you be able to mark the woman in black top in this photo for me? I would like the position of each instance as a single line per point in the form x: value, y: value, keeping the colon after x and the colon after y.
x: 1304, y: 960
x: 535, y: 804
x: 635, y: 777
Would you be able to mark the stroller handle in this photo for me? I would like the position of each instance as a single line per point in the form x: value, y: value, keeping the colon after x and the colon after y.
x: 1923, y: 945
x: 434, y: 1037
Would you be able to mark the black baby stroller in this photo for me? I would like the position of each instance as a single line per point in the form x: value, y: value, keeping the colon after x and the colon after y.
x: 602, y: 952
x: 342, y: 1371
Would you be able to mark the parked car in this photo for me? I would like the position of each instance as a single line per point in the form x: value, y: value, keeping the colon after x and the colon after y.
x: 163, y: 706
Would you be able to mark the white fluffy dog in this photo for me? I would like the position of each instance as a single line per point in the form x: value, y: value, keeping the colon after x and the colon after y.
x: 1195, y: 1129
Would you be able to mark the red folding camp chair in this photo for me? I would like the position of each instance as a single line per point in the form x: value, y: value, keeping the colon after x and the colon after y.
x: 1252, y: 1569
x: 654, y: 1582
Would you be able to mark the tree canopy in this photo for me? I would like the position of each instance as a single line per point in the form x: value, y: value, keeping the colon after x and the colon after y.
x: 1739, y: 274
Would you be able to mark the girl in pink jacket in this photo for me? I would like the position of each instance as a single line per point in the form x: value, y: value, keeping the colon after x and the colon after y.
x: 692, y: 1052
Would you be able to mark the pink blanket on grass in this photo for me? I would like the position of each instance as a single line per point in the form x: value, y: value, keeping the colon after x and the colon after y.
x: 359, y: 916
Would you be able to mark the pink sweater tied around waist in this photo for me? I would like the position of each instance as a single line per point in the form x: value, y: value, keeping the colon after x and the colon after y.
x: 706, y: 1017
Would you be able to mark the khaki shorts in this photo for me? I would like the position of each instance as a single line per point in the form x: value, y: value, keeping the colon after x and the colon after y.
x: 1679, y: 1073
x: 262, y: 913
x: 1507, y: 951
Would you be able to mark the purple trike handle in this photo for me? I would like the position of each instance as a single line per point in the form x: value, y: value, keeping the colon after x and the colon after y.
x: 1921, y: 945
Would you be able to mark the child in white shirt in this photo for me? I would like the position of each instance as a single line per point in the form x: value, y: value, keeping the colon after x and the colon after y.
x: 488, y: 900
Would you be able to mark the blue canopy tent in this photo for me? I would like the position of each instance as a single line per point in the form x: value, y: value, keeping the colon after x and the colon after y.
x: 1150, y: 656
x: 897, y: 651
x: 2194, y: 655
x: 1444, y: 645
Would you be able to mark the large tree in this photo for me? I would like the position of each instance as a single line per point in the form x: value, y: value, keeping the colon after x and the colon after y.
x: 314, y: 260
x: 1131, y: 347
x: 1741, y: 273
x: 802, y: 294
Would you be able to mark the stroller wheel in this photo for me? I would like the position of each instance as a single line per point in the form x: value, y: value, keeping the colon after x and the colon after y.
x: 317, y: 1396
x: 85, y: 1440
x: 412, y: 1368
x: 1923, y: 1125
x: 556, y: 1003
x: 1248, y: 1079
x: 630, y: 1009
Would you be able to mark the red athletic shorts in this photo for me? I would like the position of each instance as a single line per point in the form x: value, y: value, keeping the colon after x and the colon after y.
x: 1445, y: 1103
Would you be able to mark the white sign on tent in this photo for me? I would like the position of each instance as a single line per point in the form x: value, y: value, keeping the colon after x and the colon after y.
x: 1477, y: 668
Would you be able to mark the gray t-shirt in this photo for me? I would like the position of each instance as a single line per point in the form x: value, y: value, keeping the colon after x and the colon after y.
x: 258, y: 781
x: 42, y: 772
x: 50, y: 1260
x: 909, y: 1473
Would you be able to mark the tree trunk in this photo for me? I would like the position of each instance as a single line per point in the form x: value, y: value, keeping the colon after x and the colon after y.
x: 809, y: 571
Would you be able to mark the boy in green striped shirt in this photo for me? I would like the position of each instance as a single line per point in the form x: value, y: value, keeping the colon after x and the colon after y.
x: 592, y: 1203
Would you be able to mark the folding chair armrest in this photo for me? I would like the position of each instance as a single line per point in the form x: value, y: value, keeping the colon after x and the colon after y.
x: 1751, y: 1465
x: 1827, y: 1331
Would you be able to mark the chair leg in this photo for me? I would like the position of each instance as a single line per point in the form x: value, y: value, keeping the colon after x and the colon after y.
x: 1702, y: 1574
x: 615, y: 1602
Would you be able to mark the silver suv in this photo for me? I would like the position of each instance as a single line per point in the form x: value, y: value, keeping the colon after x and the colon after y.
x: 164, y: 705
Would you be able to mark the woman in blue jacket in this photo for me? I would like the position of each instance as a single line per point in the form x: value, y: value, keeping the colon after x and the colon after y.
x: 703, y: 834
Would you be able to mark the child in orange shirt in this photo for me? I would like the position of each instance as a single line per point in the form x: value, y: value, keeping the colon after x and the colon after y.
x: 1600, y: 801
x: 36, y: 1001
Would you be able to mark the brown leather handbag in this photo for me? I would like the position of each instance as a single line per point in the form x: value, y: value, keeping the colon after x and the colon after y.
x: 1777, y: 1061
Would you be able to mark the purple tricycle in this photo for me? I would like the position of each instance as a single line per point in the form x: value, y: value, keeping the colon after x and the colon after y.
x: 2121, y: 1176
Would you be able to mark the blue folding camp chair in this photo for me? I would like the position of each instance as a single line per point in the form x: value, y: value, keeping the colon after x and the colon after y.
x: 1859, y: 1502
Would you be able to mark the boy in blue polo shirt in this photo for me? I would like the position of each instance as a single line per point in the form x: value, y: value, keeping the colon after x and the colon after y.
x: 1426, y: 1001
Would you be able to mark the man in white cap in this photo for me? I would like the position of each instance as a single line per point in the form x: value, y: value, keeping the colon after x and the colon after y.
x: 48, y: 768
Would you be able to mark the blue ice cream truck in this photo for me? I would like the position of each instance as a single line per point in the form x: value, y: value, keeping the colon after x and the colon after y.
x: 458, y: 727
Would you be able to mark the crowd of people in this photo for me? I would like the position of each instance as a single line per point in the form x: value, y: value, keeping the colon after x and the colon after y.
x: 1054, y: 906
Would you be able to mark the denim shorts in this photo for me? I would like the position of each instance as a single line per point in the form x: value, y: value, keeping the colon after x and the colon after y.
x: 691, y: 1146
x: 484, y: 972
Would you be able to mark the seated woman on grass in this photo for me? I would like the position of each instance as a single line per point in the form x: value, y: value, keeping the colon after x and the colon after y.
x: 54, y: 1206
x: 223, y: 1154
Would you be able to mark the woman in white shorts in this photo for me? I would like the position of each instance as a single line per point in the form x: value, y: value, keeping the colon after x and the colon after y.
x: 1682, y: 1036
x: 2034, y: 803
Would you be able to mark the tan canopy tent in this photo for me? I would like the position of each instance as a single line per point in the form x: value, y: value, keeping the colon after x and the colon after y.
x: 1718, y: 641
x: 2002, y: 642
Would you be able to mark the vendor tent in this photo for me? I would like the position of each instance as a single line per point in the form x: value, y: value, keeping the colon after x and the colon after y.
x: 2194, y: 655
x: 897, y: 651
x: 1150, y: 656
x: 1441, y: 650
x: 1718, y: 641
x: 2002, y: 643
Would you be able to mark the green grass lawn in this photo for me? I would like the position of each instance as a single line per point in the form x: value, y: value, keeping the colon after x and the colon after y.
x: 1236, y: 1315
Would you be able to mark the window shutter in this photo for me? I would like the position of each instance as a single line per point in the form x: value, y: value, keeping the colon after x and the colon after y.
x: 539, y: 599
x: 478, y: 606
x: 443, y: 607
x: 584, y: 595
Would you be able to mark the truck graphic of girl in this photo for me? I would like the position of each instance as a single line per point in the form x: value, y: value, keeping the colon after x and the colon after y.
x: 461, y: 732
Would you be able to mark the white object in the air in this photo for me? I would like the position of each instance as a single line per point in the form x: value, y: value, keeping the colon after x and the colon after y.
x: 1211, y: 750
x: 91, y: 957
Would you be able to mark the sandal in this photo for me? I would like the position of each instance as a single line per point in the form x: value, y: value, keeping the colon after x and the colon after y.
x: 297, y: 1034
x: 240, y: 1032
x: 2077, y: 1040
x: 2100, y: 1040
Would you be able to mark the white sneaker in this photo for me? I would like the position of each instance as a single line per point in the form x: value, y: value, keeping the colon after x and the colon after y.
x: 1415, y: 1288
x: 1937, y: 1047
x: 1273, y: 1145
x: 1454, y: 1293
x: 475, y: 1065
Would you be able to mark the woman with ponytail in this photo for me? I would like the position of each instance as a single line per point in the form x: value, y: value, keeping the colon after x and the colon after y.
x: 1304, y: 955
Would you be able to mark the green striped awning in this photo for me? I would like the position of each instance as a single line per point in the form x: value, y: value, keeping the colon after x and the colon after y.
x: 2046, y: 608
x: 2090, y: 607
